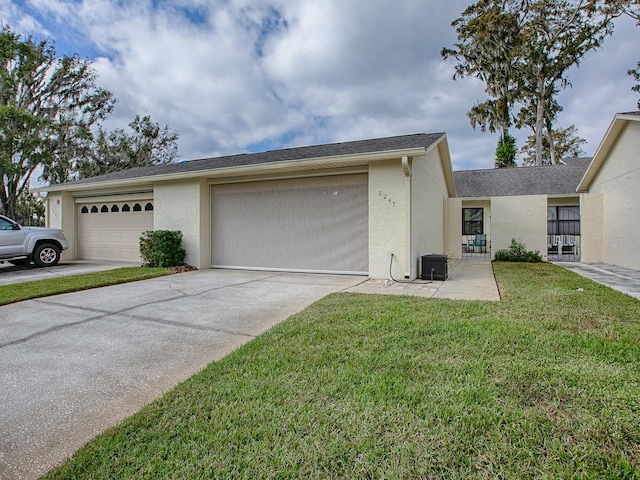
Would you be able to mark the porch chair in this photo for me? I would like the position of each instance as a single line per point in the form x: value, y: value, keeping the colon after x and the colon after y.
x: 480, y: 240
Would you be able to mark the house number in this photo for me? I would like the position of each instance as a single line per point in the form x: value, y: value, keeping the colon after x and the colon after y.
x: 386, y: 197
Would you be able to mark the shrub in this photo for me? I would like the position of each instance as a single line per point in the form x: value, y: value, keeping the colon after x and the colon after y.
x: 162, y: 248
x: 517, y: 252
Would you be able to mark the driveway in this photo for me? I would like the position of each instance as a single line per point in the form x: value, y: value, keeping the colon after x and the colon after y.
x: 75, y: 364
x: 26, y: 273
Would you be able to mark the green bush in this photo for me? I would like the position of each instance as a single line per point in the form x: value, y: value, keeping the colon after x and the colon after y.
x: 162, y: 248
x: 517, y: 252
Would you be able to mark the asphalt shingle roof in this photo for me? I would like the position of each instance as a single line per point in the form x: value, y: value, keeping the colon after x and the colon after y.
x: 544, y: 180
x: 273, y: 156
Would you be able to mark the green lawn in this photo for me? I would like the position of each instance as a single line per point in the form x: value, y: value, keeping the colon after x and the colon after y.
x: 545, y: 384
x: 56, y: 285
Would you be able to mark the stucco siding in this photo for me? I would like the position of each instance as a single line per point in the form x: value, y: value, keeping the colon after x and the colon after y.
x: 184, y: 206
x: 428, y: 204
x: 387, y: 220
x: 523, y: 218
x: 618, y: 180
x: 454, y: 228
x: 591, y: 221
x: 61, y: 214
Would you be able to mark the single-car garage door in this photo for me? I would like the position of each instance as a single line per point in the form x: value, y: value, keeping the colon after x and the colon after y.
x: 317, y: 224
x: 111, y: 230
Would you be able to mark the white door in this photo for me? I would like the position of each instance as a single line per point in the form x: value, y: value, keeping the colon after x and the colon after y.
x: 112, y: 230
x: 318, y: 224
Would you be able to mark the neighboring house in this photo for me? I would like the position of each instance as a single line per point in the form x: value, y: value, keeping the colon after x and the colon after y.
x: 339, y: 208
x: 611, y: 196
x: 370, y: 207
x: 539, y: 206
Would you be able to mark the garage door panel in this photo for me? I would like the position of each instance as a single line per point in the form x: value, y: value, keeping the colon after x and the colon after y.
x: 313, y: 224
x: 112, y: 235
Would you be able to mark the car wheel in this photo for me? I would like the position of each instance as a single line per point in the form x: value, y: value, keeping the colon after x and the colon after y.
x: 46, y: 255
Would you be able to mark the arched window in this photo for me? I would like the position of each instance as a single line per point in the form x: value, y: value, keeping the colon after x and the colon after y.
x: 137, y: 208
x: 94, y: 209
x: 104, y: 209
x: 148, y: 207
x: 84, y: 210
x: 126, y: 207
x: 114, y: 208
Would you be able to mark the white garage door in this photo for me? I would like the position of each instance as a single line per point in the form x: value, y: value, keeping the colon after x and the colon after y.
x: 111, y: 230
x: 312, y: 224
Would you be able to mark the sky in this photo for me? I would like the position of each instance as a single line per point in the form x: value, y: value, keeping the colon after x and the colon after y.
x: 236, y: 76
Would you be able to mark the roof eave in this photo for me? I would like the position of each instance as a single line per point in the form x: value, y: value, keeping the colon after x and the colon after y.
x: 618, y: 123
x: 246, y: 170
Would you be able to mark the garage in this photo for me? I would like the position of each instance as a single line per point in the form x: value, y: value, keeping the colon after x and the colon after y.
x: 316, y: 224
x: 112, y: 230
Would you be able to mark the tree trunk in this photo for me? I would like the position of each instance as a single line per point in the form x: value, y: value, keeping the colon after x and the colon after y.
x: 539, y: 120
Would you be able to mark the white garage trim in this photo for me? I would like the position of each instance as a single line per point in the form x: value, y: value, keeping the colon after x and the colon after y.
x: 317, y: 225
x: 111, y: 230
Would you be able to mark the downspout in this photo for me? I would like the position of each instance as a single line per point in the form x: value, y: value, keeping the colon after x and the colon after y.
x: 406, y: 167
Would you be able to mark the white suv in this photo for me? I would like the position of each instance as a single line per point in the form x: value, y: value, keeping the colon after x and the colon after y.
x: 20, y: 245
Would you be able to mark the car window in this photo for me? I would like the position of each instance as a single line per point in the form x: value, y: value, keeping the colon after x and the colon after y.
x: 5, y: 224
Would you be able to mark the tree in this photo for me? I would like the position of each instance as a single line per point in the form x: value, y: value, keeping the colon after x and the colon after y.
x: 636, y: 76
x: 506, y: 152
x: 563, y: 143
x: 47, y: 108
x: 488, y: 44
x: 527, y: 64
x: 559, y: 33
x: 147, y: 145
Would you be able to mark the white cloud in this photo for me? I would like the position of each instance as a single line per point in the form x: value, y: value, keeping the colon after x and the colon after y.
x: 240, y: 73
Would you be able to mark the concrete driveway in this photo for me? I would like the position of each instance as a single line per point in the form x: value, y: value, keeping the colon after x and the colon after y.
x: 75, y: 364
x: 26, y: 273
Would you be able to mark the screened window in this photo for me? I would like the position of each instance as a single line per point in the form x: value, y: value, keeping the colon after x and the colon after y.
x: 563, y: 220
x: 472, y: 221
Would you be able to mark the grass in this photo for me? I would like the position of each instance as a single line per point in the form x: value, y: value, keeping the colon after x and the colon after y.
x: 545, y: 384
x: 56, y: 285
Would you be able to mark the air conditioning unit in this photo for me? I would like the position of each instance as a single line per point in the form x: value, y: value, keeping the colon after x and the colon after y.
x: 434, y: 267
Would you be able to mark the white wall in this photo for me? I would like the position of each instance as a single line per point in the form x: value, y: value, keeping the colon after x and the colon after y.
x: 387, y: 220
x: 591, y: 221
x: 428, y: 206
x: 61, y: 213
x: 523, y: 218
x: 618, y: 180
x: 184, y: 205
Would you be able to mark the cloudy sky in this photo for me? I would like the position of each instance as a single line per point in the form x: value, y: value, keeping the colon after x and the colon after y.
x: 236, y: 76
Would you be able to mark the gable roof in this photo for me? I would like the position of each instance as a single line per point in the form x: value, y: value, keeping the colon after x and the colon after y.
x: 618, y: 123
x: 332, y: 155
x: 543, y: 180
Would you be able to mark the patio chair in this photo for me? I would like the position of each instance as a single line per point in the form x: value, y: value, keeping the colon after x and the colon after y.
x: 480, y: 240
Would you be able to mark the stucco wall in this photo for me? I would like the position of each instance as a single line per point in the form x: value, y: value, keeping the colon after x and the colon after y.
x: 453, y: 246
x: 618, y: 181
x: 184, y: 205
x: 428, y: 204
x: 61, y: 214
x: 591, y: 221
x: 387, y: 219
x: 523, y: 218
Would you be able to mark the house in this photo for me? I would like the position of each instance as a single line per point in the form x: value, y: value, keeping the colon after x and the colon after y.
x: 610, y: 191
x: 337, y: 208
x: 370, y: 207
x: 539, y: 206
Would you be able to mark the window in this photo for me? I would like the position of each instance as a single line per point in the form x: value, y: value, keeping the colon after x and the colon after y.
x: 126, y: 208
x: 137, y: 208
x: 563, y: 220
x: 472, y: 221
x: 148, y: 207
x: 104, y: 209
x: 84, y: 210
x: 94, y: 209
x: 5, y: 224
x: 114, y: 208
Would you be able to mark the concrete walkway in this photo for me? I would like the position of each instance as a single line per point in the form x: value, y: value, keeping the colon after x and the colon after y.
x: 622, y: 279
x: 469, y: 279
